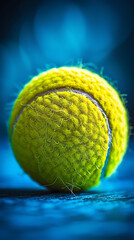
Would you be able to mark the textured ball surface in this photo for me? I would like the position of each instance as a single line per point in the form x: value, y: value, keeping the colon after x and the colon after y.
x: 62, y: 125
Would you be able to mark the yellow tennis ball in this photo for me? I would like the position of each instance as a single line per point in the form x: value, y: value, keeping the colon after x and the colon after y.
x: 68, y: 128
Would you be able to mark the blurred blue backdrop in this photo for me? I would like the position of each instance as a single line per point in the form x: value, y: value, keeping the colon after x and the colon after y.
x: 36, y: 35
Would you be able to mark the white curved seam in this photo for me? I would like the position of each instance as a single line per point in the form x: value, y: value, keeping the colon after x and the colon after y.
x: 92, y: 99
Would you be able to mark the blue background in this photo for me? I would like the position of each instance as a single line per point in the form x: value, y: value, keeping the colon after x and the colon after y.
x: 38, y: 35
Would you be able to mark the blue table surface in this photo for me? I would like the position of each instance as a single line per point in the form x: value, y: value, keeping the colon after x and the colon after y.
x: 27, y: 211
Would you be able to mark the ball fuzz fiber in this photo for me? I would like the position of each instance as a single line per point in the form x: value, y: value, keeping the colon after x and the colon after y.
x: 68, y: 128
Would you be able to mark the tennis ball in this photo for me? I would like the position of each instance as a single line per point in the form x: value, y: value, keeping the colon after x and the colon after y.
x: 68, y: 129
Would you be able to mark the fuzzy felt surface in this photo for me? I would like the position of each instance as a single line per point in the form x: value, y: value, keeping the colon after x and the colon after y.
x: 61, y: 138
